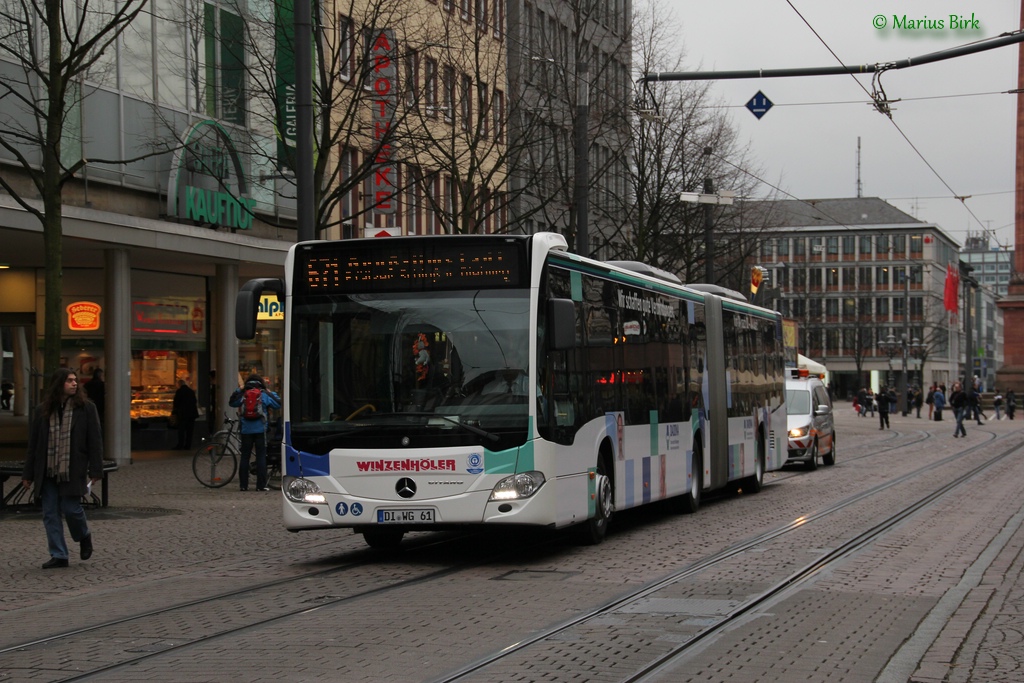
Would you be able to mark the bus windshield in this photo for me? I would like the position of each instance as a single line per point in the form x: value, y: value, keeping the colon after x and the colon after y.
x: 410, y: 369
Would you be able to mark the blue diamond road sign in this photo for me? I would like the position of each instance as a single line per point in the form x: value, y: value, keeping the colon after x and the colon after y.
x: 759, y: 104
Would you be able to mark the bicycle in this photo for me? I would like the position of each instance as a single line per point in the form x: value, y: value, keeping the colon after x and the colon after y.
x: 216, y: 461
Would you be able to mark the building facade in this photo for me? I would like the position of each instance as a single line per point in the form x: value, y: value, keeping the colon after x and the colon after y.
x: 860, y: 278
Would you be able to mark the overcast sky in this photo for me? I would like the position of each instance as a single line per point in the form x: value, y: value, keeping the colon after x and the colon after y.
x: 807, y: 142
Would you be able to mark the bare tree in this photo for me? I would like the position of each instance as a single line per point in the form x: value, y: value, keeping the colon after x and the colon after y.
x: 680, y: 138
x: 50, y: 48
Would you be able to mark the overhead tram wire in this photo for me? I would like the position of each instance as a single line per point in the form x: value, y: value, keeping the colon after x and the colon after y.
x: 1008, y: 38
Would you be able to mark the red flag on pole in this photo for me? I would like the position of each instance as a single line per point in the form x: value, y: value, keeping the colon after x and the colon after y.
x: 951, y: 293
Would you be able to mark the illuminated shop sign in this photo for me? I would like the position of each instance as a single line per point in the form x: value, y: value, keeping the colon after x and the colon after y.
x: 270, y: 308
x: 83, y: 316
x: 207, y: 182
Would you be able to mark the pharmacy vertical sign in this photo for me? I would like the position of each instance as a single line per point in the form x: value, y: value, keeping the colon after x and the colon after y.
x: 384, y: 103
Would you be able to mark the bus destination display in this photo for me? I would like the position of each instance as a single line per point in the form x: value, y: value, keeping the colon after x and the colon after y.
x: 416, y: 267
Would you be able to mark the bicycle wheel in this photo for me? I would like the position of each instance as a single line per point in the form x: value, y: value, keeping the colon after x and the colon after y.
x: 214, y: 465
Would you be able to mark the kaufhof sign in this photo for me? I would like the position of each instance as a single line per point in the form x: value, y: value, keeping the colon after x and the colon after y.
x: 207, y: 184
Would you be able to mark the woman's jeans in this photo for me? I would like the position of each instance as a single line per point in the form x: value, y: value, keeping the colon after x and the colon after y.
x: 55, y: 505
x: 961, y: 413
x: 258, y: 440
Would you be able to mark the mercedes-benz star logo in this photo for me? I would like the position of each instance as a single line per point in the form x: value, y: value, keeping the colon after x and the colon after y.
x: 406, y: 487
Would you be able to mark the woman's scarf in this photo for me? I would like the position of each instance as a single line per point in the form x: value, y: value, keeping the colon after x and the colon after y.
x: 58, y: 446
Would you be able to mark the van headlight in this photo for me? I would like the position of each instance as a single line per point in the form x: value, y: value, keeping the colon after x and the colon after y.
x: 522, y: 485
x: 299, y: 490
x: 797, y: 432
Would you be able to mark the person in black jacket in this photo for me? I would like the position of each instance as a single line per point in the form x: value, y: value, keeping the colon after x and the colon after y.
x: 886, y: 402
x: 185, y: 409
x: 65, y: 448
x: 958, y: 400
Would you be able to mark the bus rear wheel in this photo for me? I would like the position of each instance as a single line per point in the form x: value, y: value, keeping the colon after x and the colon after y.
x: 689, y: 502
x: 383, y: 539
x: 755, y: 482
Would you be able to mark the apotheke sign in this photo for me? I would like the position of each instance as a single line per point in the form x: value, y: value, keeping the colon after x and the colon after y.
x: 207, y: 183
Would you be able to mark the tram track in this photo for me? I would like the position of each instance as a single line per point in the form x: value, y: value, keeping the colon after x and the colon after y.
x: 328, y: 602
x: 665, y: 660
x: 231, y: 601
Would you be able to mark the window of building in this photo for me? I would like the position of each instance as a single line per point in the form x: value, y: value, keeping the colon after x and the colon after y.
x: 849, y: 245
x: 498, y: 19
x: 430, y: 86
x: 814, y: 307
x: 849, y: 278
x: 832, y: 307
x: 832, y: 246
x: 225, y: 64
x: 882, y: 307
x: 498, y: 105
x: 483, y: 107
x: 799, y: 307
x: 916, y: 307
x: 832, y: 277
x: 899, y: 246
x: 466, y: 102
x: 448, y: 93
x: 800, y: 278
x: 864, y: 276
x: 849, y: 308
x: 882, y: 244
x: 916, y: 275
x: 799, y: 246
x: 882, y: 276
x: 864, y: 306
x: 865, y: 245
x: 816, y: 247
x: 412, y: 79
x: 345, y: 42
x: 899, y: 308
x: 783, y: 246
x: 815, y: 278
x: 916, y: 245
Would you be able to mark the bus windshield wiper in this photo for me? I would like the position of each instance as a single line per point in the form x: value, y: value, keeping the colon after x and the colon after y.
x: 469, y: 428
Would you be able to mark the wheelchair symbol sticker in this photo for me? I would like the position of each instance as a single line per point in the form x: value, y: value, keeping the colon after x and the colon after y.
x: 357, y: 509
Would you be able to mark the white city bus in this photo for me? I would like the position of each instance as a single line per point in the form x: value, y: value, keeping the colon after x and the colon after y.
x: 455, y: 381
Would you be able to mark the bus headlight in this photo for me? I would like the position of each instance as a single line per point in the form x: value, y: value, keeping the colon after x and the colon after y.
x: 522, y: 485
x: 299, y: 490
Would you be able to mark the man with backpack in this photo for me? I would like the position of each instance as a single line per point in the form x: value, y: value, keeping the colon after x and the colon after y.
x: 253, y: 401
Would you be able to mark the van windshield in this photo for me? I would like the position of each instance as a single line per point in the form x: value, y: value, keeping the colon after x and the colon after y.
x: 798, y: 401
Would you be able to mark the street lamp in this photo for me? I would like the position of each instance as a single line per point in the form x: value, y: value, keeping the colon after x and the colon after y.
x: 890, y: 346
x: 917, y: 350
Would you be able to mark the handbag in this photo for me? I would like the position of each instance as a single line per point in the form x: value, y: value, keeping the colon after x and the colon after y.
x: 172, y: 420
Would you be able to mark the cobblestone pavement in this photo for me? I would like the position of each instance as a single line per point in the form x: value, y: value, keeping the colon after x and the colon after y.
x: 940, y: 599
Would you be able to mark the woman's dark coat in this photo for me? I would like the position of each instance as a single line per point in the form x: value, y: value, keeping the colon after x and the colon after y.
x: 86, y: 450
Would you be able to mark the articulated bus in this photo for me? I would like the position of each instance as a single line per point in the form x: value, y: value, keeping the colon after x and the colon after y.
x: 467, y: 380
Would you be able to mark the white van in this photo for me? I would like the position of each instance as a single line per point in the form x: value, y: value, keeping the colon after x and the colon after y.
x: 810, y: 422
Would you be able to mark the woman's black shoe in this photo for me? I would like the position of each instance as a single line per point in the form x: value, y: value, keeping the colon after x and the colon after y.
x: 55, y: 562
x: 86, y: 547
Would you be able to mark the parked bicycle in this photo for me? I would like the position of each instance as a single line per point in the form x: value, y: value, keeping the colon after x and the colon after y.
x: 216, y: 462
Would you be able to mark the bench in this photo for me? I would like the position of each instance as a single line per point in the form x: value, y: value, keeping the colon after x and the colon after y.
x: 21, y: 497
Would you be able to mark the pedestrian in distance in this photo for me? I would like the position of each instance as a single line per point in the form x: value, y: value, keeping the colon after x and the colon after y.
x: 6, y: 393
x: 1011, y: 403
x: 939, y: 401
x: 975, y: 401
x: 64, y: 460
x: 253, y: 401
x: 958, y: 400
x: 862, y: 402
x: 885, y: 405
x: 871, y: 402
x: 997, y: 404
x: 918, y: 400
x: 185, y: 410
x: 96, y: 390
x: 930, y: 400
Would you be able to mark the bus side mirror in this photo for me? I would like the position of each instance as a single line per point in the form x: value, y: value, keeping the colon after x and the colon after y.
x: 247, y: 304
x: 561, y: 324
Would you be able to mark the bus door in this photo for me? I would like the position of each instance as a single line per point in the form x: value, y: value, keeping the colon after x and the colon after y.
x: 718, y: 419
